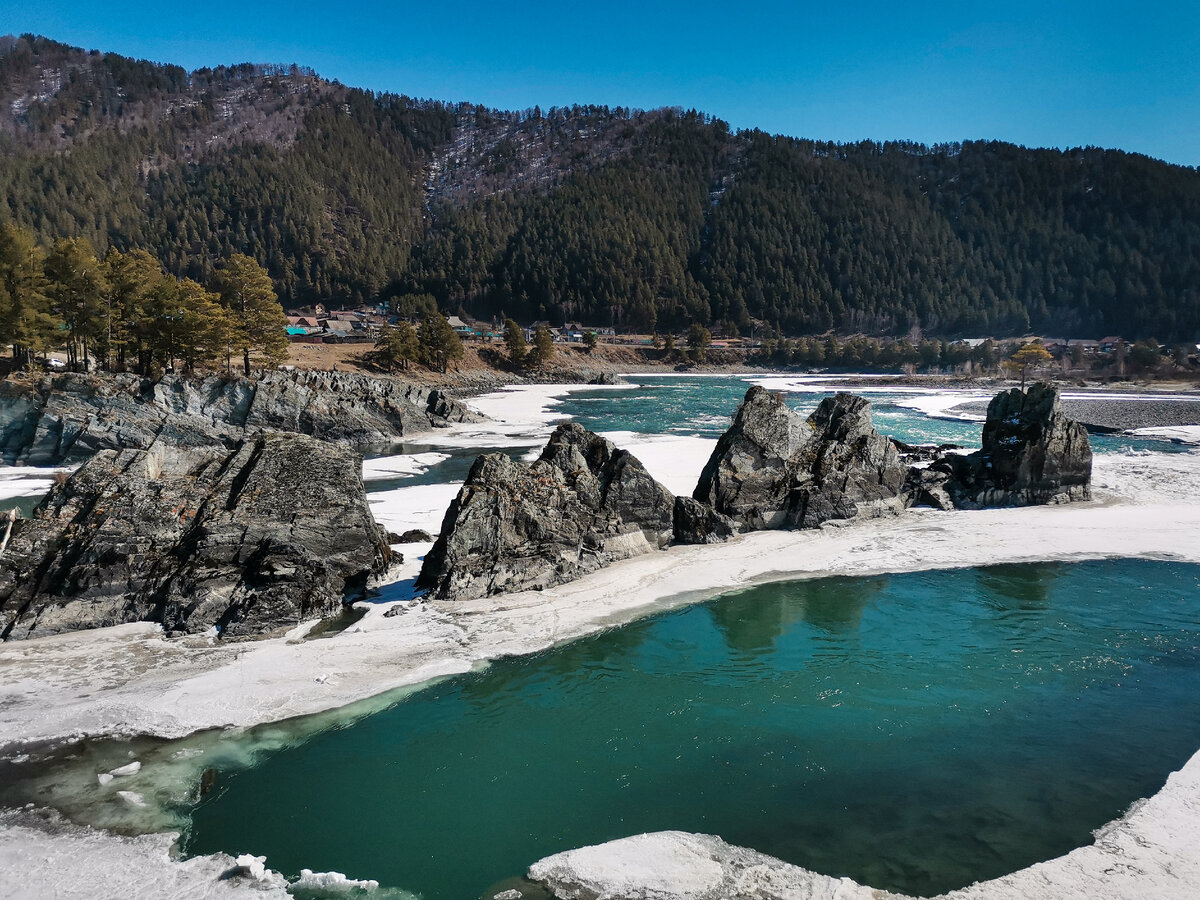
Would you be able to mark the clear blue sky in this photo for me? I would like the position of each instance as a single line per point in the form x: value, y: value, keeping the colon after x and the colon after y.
x: 1048, y: 73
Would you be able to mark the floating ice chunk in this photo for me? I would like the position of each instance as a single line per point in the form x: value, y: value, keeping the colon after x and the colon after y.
x: 510, y: 894
x: 131, y: 769
x: 104, y: 778
x: 332, y: 881
x: 133, y: 798
x: 255, y: 866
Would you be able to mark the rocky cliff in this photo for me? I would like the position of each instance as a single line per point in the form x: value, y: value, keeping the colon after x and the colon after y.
x: 250, y: 540
x: 775, y: 469
x: 70, y: 417
x: 581, y: 505
x: 1031, y: 454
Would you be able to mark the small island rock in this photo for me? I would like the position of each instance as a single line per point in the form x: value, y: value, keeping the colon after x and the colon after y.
x: 775, y: 469
x: 580, y: 506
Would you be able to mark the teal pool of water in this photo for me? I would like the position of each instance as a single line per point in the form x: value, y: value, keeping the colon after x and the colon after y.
x: 705, y: 406
x: 915, y: 732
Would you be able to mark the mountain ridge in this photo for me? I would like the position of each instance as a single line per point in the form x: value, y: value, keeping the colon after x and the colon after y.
x: 640, y: 219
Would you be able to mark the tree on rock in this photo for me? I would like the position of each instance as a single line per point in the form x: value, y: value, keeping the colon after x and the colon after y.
x: 439, y: 343
x: 590, y: 340
x: 1030, y: 356
x: 514, y: 340
x: 698, y: 339
x: 259, y: 323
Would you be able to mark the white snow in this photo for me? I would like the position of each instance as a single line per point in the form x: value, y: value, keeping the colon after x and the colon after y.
x: 131, y: 679
x: 401, y: 466
x: 43, y: 857
x: 673, y: 460
x: 419, y: 506
x: 25, y: 481
x: 1188, y: 434
x: 332, y: 881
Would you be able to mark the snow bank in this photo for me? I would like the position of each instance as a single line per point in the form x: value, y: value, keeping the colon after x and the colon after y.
x: 401, y: 466
x: 25, y: 481
x: 1188, y: 434
x: 41, y: 857
x: 674, y: 460
x: 674, y: 865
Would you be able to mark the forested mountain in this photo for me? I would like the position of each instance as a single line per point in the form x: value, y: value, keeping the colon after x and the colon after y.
x: 611, y: 216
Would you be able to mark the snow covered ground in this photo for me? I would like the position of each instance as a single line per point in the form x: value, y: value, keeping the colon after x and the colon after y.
x: 129, y: 679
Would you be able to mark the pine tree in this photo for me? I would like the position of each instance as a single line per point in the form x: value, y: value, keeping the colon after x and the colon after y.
x: 259, y: 323
x: 131, y: 278
x: 26, y: 320
x: 396, y: 346
x: 439, y: 343
x: 514, y: 340
x: 543, y: 347
x: 76, y: 289
x: 698, y: 339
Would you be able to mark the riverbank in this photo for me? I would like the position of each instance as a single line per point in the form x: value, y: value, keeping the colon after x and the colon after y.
x: 130, y: 680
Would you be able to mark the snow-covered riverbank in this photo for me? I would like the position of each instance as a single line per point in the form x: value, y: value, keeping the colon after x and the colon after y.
x: 129, y: 679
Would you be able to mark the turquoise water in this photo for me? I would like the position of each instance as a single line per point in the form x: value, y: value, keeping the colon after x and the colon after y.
x: 915, y: 732
x: 705, y: 406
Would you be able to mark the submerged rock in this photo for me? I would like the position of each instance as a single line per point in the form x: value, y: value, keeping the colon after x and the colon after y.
x: 1032, y: 454
x: 580, y: 506
x: 70, y: 417
x: 249, y: 540
x: 775, y: 469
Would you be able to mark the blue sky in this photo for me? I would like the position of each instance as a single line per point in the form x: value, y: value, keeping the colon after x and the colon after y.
x: 1037, y: 73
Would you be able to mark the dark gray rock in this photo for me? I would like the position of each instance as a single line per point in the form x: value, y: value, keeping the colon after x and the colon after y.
x: 699, y: 523
x: 580, y: 506
x: 1031, y: 454
x: 774, y: 469
x: 253, y: 539
x: 412, y: 536
x: 70, y: 417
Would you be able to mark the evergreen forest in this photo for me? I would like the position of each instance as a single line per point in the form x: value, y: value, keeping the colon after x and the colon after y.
x: 642, y: 220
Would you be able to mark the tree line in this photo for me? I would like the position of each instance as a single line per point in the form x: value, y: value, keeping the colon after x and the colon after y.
x: 652, y: 221
x: 123, y: 312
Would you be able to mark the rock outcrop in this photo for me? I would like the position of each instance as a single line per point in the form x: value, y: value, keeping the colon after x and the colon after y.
x: 775, y: 469
x: 70, y: 417
x: 250, y: 540
x: 699, y: 523
x: 1032, y: 454
x: 580, y: 506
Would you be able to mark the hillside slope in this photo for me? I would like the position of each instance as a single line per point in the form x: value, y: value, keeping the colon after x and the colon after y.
x: 639, y: 219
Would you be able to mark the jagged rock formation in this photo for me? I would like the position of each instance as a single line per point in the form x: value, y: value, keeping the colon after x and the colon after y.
x: 1032, y: 454
x: 699, y: 523
x: 774, y: 469
x: 581, y: 505
x: 70, y: 417
x: 253, y: 539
